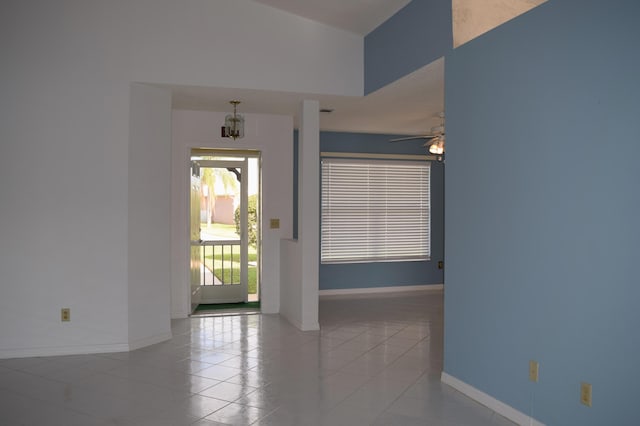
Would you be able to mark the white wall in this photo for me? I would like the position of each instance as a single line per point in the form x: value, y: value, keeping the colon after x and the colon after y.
x: 66, y: 72
x: 272, y: 135
x: 149, y: 213
x: 300, y: 259
x: 241, y: 44
x: 64, y: 130
x: 291, y: 281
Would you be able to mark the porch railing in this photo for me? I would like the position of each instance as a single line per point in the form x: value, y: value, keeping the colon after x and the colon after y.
x: 220, y: 260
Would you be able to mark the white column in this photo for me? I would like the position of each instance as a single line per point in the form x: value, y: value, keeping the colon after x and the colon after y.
x: 309, y: 210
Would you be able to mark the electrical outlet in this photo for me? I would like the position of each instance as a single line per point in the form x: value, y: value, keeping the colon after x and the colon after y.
x: 533, y: 370
x: 274, y: 223
x: 585, y: 393
x: 65, y: 314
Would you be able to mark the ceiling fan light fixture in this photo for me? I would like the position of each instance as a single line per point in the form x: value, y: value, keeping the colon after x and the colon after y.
x: 437, y: 146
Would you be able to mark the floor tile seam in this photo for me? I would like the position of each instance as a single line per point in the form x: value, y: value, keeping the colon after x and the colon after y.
x: 78, y: 382
x: 263, y: 417
x: 146, y: 383
x: 85, y: 413
x: 237, y: 384
x: 398, y: 398
x: 65, y: 407
x: 380, y: 344
x: 199, y: 393
x: 31, y: 397
x: 357, y: 407
x: 235, y: 401
x: 23, y: 371
x: 362, y: 355
x: 210, y: 378
x: 346, y: 341
x: 40, y: 377
x: 155, y: 364
x: 79, y: 360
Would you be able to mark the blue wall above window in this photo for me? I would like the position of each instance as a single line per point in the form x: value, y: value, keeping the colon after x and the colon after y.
x: 417, y: 35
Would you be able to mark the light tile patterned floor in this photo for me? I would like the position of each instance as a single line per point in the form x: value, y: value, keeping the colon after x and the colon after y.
x: 376, y: 361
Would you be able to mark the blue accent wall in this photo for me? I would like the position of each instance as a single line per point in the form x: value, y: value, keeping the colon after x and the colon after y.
x: 415, y: 36
x: 387, y: 274
x: 543, y: 201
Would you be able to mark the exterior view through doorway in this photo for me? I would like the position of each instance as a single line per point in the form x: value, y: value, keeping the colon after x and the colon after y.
x: 224, y: 227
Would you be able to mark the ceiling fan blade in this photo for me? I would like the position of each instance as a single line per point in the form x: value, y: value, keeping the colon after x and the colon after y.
x: 409, y: 138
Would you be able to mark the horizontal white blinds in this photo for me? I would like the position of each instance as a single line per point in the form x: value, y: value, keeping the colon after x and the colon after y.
x: 375, y: 210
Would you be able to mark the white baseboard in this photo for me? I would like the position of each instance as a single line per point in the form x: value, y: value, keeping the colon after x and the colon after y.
x: 369, y: 290
x: 309, y: 326
x: 147, y: 341
x: 179, y: 314
x: 489, y: 401
x: 83, y: 349
x: 301, y: 324
x: 63, y: 350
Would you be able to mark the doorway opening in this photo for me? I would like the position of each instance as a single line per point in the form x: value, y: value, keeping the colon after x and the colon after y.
x: 225, y: 227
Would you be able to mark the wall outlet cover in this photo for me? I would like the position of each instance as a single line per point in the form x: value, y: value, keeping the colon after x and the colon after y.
x: 534, y: 368
x: 585, y: 393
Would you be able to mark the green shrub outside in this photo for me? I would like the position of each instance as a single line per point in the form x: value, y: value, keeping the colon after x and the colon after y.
x: 252, y: 216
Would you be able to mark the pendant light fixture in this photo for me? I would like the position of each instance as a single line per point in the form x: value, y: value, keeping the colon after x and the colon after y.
x: 233, y: 124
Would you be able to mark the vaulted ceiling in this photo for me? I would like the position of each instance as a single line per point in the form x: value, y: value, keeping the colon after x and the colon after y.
x: 408, y: 106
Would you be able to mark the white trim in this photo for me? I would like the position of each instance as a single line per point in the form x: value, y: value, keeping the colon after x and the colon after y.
x: 148, y: 341
x: 217, y: 300
x: 369, y: 290
x: 379, y: 156
x: 309, y: 326
x: 301, y: 325
x: 63, y: 350
x: 179, y: 314
x: 489, y: 401
x: 88, y: 349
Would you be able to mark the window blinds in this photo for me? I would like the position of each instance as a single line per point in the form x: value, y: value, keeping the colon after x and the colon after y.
x: 375, y: 210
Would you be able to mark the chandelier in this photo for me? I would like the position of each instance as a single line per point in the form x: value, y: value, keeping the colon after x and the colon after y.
x: 233, y: 123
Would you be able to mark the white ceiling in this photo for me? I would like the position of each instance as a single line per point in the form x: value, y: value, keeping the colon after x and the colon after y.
x: 357, y: 16
x: 409, y: 106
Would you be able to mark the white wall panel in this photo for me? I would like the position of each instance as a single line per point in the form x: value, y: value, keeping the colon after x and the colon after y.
x: 65, y: 159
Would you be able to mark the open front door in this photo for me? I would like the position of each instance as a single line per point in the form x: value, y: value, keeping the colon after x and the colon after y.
x: 194, y: 235
x: 223, y: 243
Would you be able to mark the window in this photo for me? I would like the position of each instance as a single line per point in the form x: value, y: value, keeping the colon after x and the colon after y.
x: 375, y: 210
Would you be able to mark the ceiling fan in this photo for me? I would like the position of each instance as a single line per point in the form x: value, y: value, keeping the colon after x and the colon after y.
x: 435, y: 140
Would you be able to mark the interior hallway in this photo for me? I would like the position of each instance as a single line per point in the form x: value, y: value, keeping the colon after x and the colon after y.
x: 376, y: 361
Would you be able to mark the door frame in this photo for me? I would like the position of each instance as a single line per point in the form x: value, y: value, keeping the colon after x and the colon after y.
x: 234, y: 153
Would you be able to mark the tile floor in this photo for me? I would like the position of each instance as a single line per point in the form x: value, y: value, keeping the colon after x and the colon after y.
x: 376, y: 361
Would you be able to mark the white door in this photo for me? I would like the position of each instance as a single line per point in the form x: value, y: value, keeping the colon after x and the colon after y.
x: 224, y: 246
x: 194, y: 235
